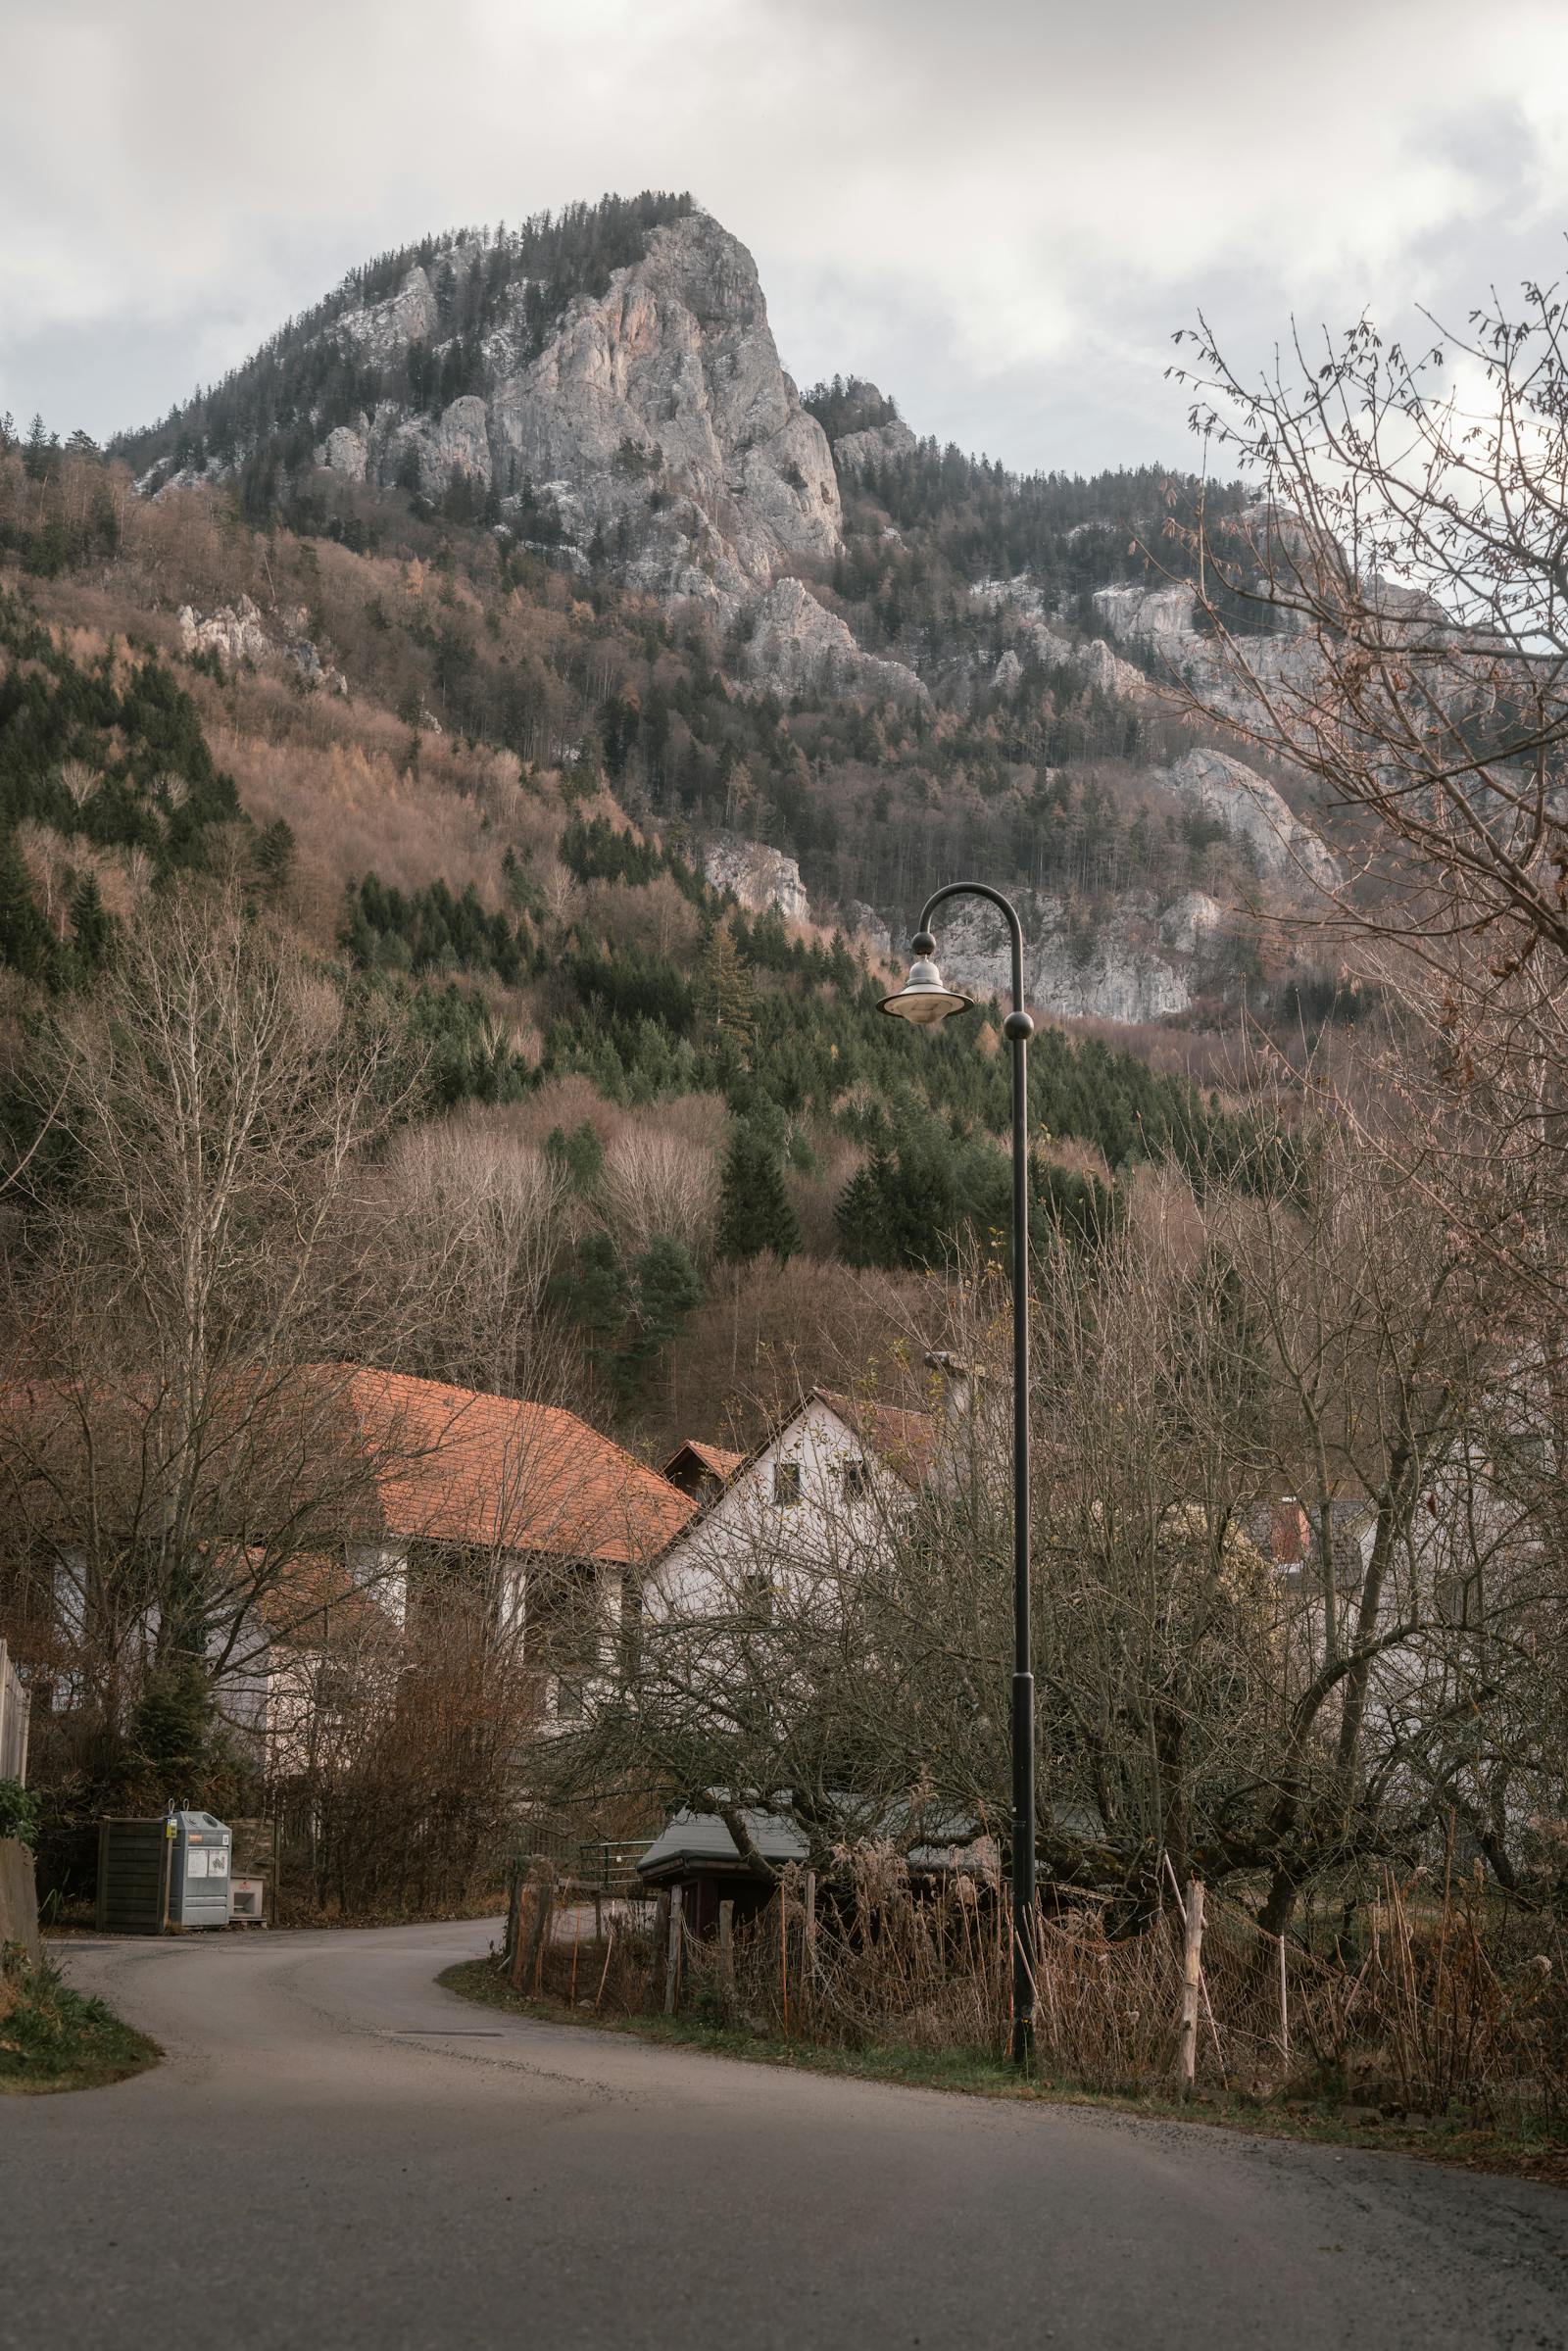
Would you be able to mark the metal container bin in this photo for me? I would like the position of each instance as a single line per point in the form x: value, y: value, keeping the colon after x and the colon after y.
x: 198, y: 1885
x: 158, y: 1873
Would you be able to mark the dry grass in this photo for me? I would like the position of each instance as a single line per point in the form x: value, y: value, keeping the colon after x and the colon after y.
x: 1452, y: 2010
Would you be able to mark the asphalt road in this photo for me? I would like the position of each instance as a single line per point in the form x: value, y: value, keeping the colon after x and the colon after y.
x: 338, y: 2153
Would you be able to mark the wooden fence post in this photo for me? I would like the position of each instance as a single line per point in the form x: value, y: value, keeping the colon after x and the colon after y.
x: 1285, y: 2011
x: 672, y: 1956
x: 509, y: 1948
x: 544, y: 1922
x: 810, y: 1924
x: 726, y: 1959
x: 1191, y: 1974
x: 527, y: 1960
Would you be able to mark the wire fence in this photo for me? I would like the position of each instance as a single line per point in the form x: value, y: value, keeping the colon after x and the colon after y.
x: 1433, y: 1999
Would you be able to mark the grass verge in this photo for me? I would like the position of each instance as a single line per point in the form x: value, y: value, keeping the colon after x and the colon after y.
x: 1443, y: 2139
x: 52, y: 2037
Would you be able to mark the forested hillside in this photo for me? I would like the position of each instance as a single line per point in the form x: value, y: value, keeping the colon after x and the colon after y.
x: 457, y: 745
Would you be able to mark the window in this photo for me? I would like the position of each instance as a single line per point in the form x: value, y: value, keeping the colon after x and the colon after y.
x: 854, y: 1478
x: 786, y: 1483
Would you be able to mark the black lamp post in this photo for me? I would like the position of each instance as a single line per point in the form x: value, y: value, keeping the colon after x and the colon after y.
x: 925, y: 1000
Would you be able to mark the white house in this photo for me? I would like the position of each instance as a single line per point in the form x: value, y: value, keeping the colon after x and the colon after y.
x: 812, y: 1496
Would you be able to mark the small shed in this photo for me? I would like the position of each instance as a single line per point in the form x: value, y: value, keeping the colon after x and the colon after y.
x: 698, y: 1853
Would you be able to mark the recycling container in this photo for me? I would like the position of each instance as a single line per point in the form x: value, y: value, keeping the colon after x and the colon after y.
x: 155, y: 1874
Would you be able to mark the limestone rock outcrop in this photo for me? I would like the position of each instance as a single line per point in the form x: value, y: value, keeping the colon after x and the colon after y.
x: 1105, y: 970
x: 656, y: 416
x: 1251, y: 809
x: 1162, y: 619
x: 1190, y: 922
x: 237, y: 633
x: 798, y: 646
x: 345, y: 451
x: 868, y: 928
x: 381, y: 329
x: 853, y: 452
x: 764, y: 879
x: 234, y: 632
x: 456, y: 444
x: 1095, y: 661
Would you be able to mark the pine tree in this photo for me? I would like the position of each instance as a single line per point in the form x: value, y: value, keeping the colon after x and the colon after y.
x: 668, y: 1289
x: 860, y: 1212
x: 92, y: 926
x: 41, y: 446
x: 580, y: 1154
x: 728, y: 995
x: 755, y: 1209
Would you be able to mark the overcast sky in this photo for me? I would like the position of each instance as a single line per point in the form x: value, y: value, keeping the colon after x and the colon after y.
x: 997, y: 208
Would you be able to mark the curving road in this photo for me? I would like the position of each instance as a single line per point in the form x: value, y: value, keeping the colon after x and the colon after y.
x: 338, y: 2153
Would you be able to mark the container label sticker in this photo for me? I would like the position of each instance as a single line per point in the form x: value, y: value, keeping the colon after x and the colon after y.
x: 196, y: 1865
x: 218, y: 1865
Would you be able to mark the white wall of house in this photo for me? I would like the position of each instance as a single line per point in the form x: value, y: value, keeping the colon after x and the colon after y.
x: 812, y: 1499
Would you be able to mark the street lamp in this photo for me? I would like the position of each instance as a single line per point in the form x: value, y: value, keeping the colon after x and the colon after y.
x: 925, y: 999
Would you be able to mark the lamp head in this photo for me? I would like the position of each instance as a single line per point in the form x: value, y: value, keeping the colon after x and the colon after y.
x: 922, y: 998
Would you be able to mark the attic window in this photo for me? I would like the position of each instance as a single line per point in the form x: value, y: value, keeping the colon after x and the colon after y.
x: 786, y: 1483
x: 855, y: 1478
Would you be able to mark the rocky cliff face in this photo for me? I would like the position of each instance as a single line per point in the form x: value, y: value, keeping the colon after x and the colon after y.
x: 854, y: 452
x: 237, y: 633
x: 1094, y: 661
x: 798, y: 646
x: 1251, y: 811
x: 657, y: 409
x: 764, y: 879
x: 1162, y: 620
x: 1133, y: 965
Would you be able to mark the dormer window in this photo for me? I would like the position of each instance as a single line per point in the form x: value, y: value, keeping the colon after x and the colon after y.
x: 786, y: 1483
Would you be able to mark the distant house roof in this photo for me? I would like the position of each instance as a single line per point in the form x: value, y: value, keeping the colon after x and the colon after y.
x: 350, y: 1455
x: 905, y: 1441
x: 455, y: 1465
x: 694, y: 1466
x: 700, y: 1841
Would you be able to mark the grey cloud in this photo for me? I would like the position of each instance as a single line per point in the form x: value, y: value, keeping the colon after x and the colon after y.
x: 1000, y: 212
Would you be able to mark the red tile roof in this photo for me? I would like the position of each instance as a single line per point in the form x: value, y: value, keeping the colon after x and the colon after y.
x: 905, y: 1441
x: 711, y: 1457
x: 340, y: 1452
x: 453, y: 1465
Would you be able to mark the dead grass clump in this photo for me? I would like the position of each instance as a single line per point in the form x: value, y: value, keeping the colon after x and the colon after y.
x: 1449, y: 2009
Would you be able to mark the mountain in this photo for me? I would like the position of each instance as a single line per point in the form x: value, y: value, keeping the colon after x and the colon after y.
x: 602, y: 391
x: 651, y: 415
x: 515, y: 633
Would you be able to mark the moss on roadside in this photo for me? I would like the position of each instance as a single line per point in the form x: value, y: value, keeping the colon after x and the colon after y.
x: 975, y: 2073
x: 53, y: 2038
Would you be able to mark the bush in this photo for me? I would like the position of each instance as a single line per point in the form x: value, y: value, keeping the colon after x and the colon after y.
x: 18, y: 1812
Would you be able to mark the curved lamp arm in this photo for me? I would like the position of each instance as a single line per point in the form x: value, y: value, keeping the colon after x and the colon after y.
x: 924, y: 944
